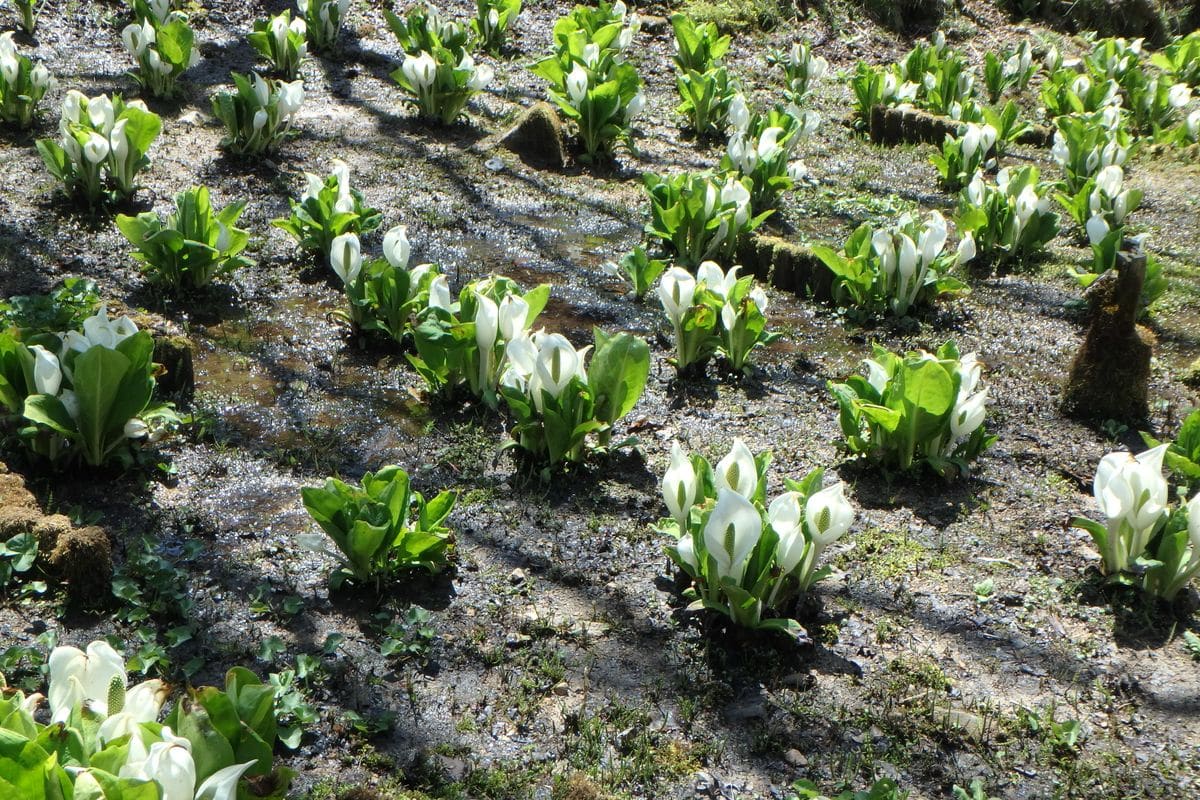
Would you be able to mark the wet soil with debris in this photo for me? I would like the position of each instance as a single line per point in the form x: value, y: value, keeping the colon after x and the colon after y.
x: 562, y: 660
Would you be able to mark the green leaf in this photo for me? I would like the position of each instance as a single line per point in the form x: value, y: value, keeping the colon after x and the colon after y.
x: 925, y: 395
x: 617, y: 374
x: 142, y: 127
x: 211, y: 748
x: 365, y: 545
x: 24, y: 767
x: 98, y: 376
x: 174, y: 41
x: 55, y: 159
x: 118, y: 788
x: 25, y: 547
x: 1098, y: 532
x: 290, y: 736
x: 887, y: 418
x: 112, y: 757
x: 49, y: 411
x: 1188, y: 440
x: 434, y: 512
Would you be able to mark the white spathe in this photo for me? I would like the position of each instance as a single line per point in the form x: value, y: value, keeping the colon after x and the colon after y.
x: 77, y: 677
x: 738, y: 471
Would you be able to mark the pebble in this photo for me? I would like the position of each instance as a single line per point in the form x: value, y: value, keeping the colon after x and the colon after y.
x: 753, y: 708
x: 454, y: 768
x: 517, y: 576
x: 798, y: 680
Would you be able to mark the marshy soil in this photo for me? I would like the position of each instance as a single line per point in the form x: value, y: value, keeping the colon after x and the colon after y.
x: 563, y: 663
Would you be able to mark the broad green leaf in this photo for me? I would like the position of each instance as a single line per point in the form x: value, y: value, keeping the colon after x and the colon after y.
x: 142, y: 128
x: 617, y: 374
x: 117, y: 788
x: 49, y: 411
x: 24, y: 767
x: 25, y: 547
x: 254, y: 700
x: 98, y: 376
x: 924, y: 397
x: 210, y: 749
x: 434, y: 512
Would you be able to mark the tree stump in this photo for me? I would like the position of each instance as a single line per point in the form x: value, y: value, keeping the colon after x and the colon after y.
x: 537, y: 138
x: 1110, y: 374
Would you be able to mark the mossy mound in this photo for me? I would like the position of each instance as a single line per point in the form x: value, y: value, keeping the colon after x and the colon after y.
x: 79, y: 557
x: 82, y: 560
x: 19, y: 510
x: 49, y: 529
x: 537, y: 138
x: 174, y: 353
x: 907, y: 15
x: 892, y: 126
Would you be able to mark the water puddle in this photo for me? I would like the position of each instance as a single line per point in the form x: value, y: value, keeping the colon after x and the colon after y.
x: 814, y: 334
x: 576, y: 241
x: 1178, y: 333
x: 288, y: 381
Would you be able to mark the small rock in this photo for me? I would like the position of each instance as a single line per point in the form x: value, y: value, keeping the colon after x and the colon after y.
x: 517, y: 577
x: 662, y: 722
x: 652, y: 23
x: 751, y: 708
x: 970, y: 724
x: 799, y: 680
x: 591, y: 629
x: 795, y: 758
x: 561, y: 689
x: 1191, y: 375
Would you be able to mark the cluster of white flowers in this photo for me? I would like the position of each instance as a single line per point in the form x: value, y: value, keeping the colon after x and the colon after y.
x: 49, y: 371
x: 141, y: 40
x: 95, y: 679
x: 1109, y: 203
x: 735, y: 525
x: 905, y: 262
x: 10, y: 66
x: 324, y: 18
x: 746, y: 153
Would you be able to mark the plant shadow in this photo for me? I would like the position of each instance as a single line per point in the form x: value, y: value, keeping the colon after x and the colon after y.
x: 1140, y: 621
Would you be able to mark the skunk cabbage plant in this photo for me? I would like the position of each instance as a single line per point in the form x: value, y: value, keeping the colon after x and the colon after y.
x: 748, y: 559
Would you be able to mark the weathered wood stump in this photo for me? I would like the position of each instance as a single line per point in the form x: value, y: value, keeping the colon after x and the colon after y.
x: 1110, y: 374
x: 786, y: 265
x: 904, y: 124
x: 537, y: 138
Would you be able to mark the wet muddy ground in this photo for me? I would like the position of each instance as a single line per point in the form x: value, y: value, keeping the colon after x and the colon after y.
x: 561, y: 660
